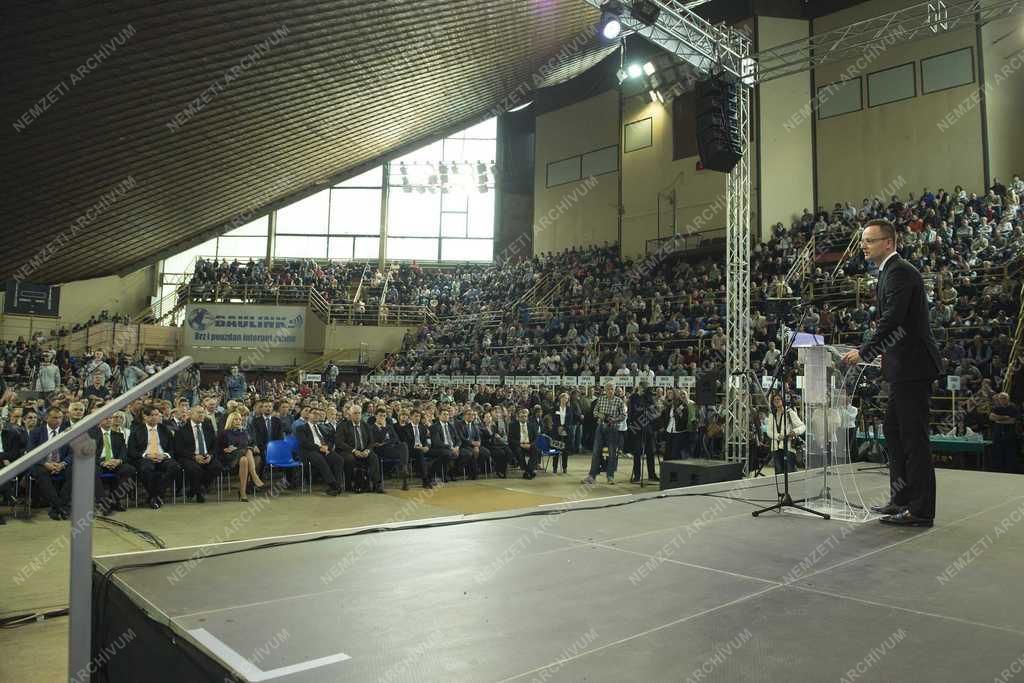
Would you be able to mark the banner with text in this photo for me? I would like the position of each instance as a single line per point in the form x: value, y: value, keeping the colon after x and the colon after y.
x: 245, y: 326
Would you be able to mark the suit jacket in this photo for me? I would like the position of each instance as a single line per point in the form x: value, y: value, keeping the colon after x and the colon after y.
x: 260, y: 434
x: 13, y: 444
x: 464, y: 431
x: 345, y: 440
x: 384, y: 436
x: 515, y: 432
x: 138, y: 440
x: 437, y: 435
x: 406, y: 434
x: 304, y: 433
x: 185, y: 442
x: 117, y: 444
x: 904, y: 336
x: 41, y: 434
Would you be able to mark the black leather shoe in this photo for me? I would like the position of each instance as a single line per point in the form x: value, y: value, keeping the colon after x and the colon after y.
x: 333, y: 491
x: 154, y: 503
x: 887, y: 509
x: 653, y: 477
x: 405, y: 485
x: 904, y: 518
x: 55, y: 514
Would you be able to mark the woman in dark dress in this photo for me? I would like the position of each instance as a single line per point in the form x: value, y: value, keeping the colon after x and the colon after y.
x: 235, y: 451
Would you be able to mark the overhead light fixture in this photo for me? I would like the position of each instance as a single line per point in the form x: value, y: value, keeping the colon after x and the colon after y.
x: 649, y: 69
x: 635, y: 70
x: 652, y: 95
x: 660, y: 98
x: 610, y: 26
x: 622, y: 75
x: 645, y: 11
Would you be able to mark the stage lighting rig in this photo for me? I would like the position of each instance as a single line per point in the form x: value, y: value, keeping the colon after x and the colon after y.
x: 645, y: 11
x: 610, y: 26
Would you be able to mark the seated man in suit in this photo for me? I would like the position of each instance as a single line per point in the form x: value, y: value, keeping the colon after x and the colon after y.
x: 194, y: 447
x: 496, y: 443
x: 354, y: 444
x: 265, y: 426
x: 56, y: 493
x: 445, y: 442
x: 112, y: 457
x: 522, y: 434
x: 472, y: 442
x: 316, y: 450
x: 387, y: 445
x: 417, y: 440
x: 12, y: 447
x: 150, y: 445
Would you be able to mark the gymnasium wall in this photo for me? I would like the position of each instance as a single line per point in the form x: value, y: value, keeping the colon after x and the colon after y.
x: 786, y: 153
x: 579, y: 212
x: 900, y: 146
x: 1002, y: 44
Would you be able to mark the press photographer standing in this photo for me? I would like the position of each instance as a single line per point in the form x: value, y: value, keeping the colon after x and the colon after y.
x: 609, y: 411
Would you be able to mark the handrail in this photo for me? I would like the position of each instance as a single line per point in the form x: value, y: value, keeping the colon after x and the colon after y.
x: 82, y: 490
x: 801, y: 263
x: 382, y: 307
x: 854, y: 241
x: 1017, y: 350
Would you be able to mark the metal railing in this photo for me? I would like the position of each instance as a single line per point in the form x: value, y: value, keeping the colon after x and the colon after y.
x: 83, y: 470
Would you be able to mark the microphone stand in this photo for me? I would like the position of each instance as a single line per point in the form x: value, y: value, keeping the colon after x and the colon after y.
x: 785, y: 499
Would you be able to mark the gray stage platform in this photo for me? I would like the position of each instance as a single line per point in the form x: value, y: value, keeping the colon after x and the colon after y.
x: 636, y: 592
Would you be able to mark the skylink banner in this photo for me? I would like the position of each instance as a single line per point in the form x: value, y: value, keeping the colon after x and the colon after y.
x: 245, y: 326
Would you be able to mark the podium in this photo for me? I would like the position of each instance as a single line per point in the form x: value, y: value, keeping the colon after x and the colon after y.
x: 829, y: 484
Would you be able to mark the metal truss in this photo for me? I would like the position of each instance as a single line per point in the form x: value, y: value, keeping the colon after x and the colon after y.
x: 922, y: 20
x: 709, y: 48
x: 737, y: 284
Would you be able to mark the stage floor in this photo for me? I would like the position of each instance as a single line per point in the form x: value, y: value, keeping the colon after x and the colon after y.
x: 674, y: 588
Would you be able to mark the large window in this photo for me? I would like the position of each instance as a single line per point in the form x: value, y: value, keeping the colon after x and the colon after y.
x: 440, y: 207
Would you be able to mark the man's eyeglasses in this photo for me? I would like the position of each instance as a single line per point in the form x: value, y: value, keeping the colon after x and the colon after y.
x: 872, y: 240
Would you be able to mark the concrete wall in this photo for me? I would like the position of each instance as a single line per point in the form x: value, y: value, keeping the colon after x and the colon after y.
x: 1002, y: 45
x: 378, y: 341
x: 861, y: 154
x: 577, y: 213
x: 786, y: 160
x: 84, y: 298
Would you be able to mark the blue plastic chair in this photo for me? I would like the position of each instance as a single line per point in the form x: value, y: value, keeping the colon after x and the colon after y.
x: 293, y: 444
x: 113, y: 475
x: 543, y: 444
x: 279, y: 455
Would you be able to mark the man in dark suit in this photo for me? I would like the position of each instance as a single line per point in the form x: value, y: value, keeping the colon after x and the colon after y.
x: 910, y: 362
x: 150, y: 446
x: 266, y: 426
x: 416, y: 437
x: 444, y: 438
x: 56, y: 493
x: 354, y: 444
x: 388, y: 446
x: 112, y: 457
x: 522, y: 437
x: 194, y: 447
x: 12, y: 447
x: 316, y: 450
x: 478, y: 456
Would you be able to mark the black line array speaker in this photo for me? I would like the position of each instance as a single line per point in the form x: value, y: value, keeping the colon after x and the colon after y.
x: 678, y: 473
x: 718, y: 125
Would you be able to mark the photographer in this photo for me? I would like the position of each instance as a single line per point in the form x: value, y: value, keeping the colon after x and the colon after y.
x: 609, y: 412
x: 679, y: 420
x: 644, y: 411
x: 782, y: 430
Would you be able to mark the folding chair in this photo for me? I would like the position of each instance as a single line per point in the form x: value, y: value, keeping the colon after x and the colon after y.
x: 543, y: 444
x: 279, y: 455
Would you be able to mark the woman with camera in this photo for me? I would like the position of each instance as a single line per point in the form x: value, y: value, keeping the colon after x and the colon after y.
x: 782, y: 430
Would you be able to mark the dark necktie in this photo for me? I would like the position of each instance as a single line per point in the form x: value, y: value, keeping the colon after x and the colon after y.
x: 359, y: 441
x: 200, y: 440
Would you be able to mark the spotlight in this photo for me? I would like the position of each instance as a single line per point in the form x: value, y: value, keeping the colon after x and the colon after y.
x: 610, y: 25
x: 649, y: 69
x: 635, y: 71
x: 645, y: 11
x: 652, y: 95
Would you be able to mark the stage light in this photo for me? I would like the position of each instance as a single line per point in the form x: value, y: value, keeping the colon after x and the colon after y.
x: 649, y: 69
x: 654, y: 98
x: 660, y: 98
x: 645, y: 11
x: 635, y: 71
x: 610, y: 25
x: 622, y: 75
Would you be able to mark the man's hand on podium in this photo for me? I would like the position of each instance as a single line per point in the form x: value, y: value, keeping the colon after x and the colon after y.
x: 852, y: 357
